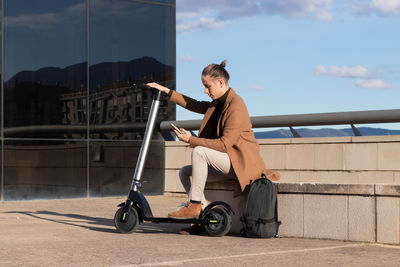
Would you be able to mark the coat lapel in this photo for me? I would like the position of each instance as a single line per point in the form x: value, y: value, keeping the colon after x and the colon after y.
x: 226, y: 105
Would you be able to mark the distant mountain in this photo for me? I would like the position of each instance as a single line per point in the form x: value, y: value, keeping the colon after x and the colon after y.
x: 72, y: 76
x: 101, y: 75
x: 145, y: 68
x: 325, y: 132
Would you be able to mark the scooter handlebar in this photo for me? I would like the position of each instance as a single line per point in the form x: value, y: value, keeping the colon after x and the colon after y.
x: 154, y: 91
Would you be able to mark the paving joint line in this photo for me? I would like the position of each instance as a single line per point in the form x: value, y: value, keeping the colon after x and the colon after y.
x: 171, y: 263
x: 385, y: 245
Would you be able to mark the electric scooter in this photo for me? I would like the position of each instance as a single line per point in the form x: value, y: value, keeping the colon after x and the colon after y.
x: 215, y: 218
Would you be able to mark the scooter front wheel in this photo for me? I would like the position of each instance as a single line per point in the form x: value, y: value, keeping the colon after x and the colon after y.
x: 219, y: 222
x: 126, y: 223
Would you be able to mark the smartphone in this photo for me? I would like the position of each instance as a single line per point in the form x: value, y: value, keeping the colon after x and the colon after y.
x: 176, y: 128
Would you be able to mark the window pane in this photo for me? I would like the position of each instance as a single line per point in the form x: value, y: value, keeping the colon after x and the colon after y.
x: 45, y: 67
x: 112, y: 166
x: 44, y: 169
x: 131, y: 43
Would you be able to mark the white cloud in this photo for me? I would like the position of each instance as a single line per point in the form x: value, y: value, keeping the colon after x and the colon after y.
x: 35, y: 21
x: 210, y: 14
x: 186, y: 58
x: 355, y: 72
x: 200, y: 23
x: 74, y: 13
x: 186, y: 15
x: 41, y: 21
x: 384, y: 8
x: 345, y: 72
x: 256, y: 88
x: 372, y: 84
x: 324, y: 16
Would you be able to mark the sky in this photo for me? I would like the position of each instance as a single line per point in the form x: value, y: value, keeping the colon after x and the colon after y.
x: 293, y: 56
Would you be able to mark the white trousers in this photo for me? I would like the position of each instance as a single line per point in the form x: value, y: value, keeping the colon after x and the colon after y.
x: 207, y: 165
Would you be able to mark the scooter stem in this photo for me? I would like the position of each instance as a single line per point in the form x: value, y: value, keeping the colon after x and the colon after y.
x: 146, y: 141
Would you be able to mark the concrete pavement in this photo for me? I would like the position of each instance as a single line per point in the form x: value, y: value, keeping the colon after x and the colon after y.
x: 80, y: 232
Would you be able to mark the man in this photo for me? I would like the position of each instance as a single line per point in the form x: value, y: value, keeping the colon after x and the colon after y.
x: 226, y: 146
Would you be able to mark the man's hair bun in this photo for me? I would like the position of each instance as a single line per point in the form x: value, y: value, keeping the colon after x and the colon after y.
x: 223, y: 63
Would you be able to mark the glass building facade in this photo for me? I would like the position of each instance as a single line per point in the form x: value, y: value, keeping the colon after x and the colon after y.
x: 71, y: 96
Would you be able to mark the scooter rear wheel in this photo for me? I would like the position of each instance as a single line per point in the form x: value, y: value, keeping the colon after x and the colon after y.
x: 128, y: 224
x: 219, y: 222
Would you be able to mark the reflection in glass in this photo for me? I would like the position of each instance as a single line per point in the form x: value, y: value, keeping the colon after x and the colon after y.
x: 112, y: 166
x: 47, y: 77
x: 131, y: 43
x: 1, y: 105
x: 44, y: 169
x: 44, y: 62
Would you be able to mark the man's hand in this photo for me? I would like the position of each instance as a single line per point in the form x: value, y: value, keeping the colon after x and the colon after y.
x: 159, y: 87
x: 183, y: 137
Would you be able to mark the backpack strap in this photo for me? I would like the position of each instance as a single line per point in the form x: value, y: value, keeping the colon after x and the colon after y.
x: 265, y: 221
x: 257, y: 220
x: 276, y: 214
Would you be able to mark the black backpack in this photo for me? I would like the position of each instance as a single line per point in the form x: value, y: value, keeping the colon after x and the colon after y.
x: 260, y: 218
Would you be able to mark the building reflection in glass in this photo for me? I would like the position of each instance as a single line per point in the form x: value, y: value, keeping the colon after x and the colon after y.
x: 73, y: 75
x: 42, y: 62
x: 130, y: 43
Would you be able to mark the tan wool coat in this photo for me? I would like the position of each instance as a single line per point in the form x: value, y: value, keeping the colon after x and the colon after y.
x: 235, y: 136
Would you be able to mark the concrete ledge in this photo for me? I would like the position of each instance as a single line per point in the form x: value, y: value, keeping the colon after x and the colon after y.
x: 321, y: 189
x: 377, y: 138
x: 387, y: 190
x: 335, y: 189
x: 227, y: 185
x: 341, y: 139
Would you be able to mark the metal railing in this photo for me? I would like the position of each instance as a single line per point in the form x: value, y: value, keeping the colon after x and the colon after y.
x: 81, y: 128
x: 332, y: 118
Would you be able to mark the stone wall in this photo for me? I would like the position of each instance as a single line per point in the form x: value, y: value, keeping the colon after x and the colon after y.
x: 361, y: 159
x: 373, y: 159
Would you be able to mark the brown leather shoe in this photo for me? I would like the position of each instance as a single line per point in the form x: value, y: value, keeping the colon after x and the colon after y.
x: 194, y: 229
x: 191, y: 210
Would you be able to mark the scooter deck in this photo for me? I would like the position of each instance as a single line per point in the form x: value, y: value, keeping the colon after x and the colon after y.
x: 173, y: 220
